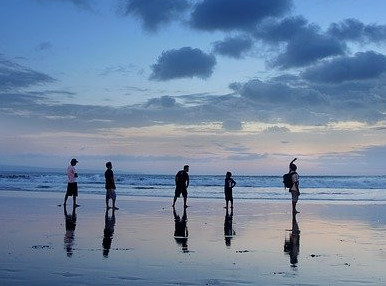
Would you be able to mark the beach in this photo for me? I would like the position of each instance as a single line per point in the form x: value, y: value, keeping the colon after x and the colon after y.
x: 145, y: 242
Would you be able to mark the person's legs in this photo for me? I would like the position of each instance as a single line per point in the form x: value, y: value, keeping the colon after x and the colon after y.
x: 185, y: 199
x: 294, y: 201
x: 65, y: 199
x: 74, y: 199
x: 174, y: 201
x: 114, y: 197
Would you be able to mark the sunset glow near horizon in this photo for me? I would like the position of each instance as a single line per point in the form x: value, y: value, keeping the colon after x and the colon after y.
x: 238, y: 85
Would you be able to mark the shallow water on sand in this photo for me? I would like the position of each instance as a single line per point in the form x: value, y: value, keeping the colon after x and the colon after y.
x: 146, y: 243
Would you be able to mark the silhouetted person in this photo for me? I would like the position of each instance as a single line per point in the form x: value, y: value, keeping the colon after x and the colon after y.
x: 110, y: 185
x: 108, y: 232
x: 294, y: 190
x: 228, y: 227
x: 182, y: 184
x: 72, y: 185
x: 228, y: 189
x: 181, y: 230
x: 70, y: 223
x: 292, y: 245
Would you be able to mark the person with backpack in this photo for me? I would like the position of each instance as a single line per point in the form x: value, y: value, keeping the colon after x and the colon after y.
x: 182, y: 184
x: 294, y: 188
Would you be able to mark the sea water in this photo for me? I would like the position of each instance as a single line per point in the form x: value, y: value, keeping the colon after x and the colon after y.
x: 315, y: 188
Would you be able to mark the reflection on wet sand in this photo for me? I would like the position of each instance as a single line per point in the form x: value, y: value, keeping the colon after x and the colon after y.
x: 108, y: 231
x: 228, y: 227
x: 70, y: 222
x: 292, y: 244
x: 181, y: 230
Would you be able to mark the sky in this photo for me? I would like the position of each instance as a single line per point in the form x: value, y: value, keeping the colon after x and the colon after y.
x: 222, y: 85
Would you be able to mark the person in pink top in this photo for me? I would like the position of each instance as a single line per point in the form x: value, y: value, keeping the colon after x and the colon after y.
x: 72, y: 185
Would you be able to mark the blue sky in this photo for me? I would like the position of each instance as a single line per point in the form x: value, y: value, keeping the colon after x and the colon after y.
x: 239, y: 85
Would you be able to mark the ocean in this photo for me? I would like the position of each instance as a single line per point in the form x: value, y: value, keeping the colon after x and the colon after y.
x: 312, y: 188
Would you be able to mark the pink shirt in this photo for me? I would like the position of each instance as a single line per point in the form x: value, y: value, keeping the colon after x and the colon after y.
x: 71, y: 174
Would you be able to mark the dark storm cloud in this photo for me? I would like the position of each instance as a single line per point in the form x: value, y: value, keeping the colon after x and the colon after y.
x: 14, y: 76
x: 364, y: 65
x: 154, y: 13
x: 228, y: 15
x: 233, y: 47
x: 183, y: 63
x: 355, y: 30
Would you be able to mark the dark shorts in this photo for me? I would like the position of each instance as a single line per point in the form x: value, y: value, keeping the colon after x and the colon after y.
x: 72, y: 189
x: 228, y: 195
x: 110, y: 194
x: 295, y: 195
x: 180, y: 191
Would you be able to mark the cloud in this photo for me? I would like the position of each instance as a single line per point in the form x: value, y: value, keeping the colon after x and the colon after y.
x: 81, y: 4
x: 232, y: 125
x: 14, y: 76
x: 363, y: 65
x: 355, y: 30
x: 43, y: 46
x: 155, y: 13
x: 279, y: 94
x: 274, y: 31
x: 228, y: 15
x: 233, y: 47
x: 302, y: 43
x: 306, y: 49
x: 276, y: 129
x: 183, y: 63
x: 162, y: 102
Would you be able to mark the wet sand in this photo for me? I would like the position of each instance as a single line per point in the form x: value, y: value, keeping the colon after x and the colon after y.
x: 146, y: 243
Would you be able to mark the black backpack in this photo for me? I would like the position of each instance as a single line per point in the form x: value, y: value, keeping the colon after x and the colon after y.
x: 287, y: 180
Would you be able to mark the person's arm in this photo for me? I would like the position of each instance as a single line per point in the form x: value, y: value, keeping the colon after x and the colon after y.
x: 296, y: 181
x: 113, y: 180
x: 187, y: 180
x: 233, y: 183
x: 293, y: 160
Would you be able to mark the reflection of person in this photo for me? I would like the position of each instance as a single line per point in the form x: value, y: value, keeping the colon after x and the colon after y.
x: 292, y: 245
x: 294, y: 190
x: 228, y: 186
x: 108, y: 232
x: 110, y: 185
x: 72, y: 185
x: 228, y: 227
x: 70, y: 222
x: 181, y: 230
x: 182, y: 184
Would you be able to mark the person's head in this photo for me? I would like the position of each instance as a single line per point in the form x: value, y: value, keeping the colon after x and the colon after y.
x: 186, y: 168
x: 293, y: 167
x: 109, y: 165
x: 229, y: 174
x: 73, y: 162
